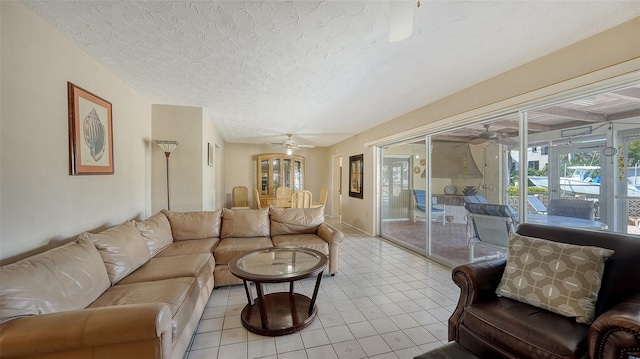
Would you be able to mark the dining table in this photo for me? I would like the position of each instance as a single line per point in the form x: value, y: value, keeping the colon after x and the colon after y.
x: 285, y: 203
x: 279, y: 203
x: 562, y: 221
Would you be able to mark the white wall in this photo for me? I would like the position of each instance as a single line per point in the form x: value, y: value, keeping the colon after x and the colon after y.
x: 212, y: 184
x: 191, y: 178
x: 42, y: 204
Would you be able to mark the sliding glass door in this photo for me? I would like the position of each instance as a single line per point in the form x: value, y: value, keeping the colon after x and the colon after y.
x: 402, y: 172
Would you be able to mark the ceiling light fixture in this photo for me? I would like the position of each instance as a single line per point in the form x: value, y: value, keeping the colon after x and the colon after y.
x: 289, y: 150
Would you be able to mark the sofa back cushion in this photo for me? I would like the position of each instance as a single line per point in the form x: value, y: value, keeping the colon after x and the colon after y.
x: 156, y: 231
x: 621, y: 276
x: 242, y: 223
x: 122, y: 248
x: 69, y: 277
x: 295, y: 220
x: 194, y: 225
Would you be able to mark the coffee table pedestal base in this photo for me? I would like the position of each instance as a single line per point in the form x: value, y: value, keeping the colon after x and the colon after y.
x: 285, y: 314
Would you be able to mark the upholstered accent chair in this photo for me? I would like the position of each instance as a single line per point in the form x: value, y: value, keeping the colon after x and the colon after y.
x: 493, y: 326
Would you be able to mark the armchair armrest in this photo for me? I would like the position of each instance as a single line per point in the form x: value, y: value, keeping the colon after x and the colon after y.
x: 616, y: 333
x: 88, y: 329
x: 478, y: 282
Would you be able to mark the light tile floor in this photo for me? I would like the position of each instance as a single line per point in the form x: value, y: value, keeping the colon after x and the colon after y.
x: 385, y: 302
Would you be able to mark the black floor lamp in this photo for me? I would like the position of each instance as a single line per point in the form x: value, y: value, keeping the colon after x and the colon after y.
x: 167, y: 148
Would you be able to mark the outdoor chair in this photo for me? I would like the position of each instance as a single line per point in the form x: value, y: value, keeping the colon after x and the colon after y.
x: 536, y: 204
x: 477, y: 198
x: 489, y: 226
x: 420, y: 207
x: 572, y: 208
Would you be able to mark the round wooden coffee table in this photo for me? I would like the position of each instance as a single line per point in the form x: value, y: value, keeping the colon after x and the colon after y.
x: 278, y: 313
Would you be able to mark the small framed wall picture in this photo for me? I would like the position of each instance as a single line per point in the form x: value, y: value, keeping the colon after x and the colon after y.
x: 90, y: 133
x: 355, y: 176
x: 210, y: 155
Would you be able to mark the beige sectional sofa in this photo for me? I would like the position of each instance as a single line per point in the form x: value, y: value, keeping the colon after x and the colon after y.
x: 138, y: 290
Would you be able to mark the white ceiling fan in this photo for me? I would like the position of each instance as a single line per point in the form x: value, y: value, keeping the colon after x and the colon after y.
x: 493, y: 137
x: 401, y: 14
x: 290, y: 145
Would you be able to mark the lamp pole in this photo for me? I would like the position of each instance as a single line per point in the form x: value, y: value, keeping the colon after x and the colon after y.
x: 167, y: 147
x: 167, y: 154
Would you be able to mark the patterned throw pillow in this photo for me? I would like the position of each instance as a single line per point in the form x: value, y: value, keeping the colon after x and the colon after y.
x: 559, y: 277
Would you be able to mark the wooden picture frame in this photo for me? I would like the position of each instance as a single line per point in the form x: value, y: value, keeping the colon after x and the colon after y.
x: 355, y: 176
x: 90, y: 133
x: 210, y: 154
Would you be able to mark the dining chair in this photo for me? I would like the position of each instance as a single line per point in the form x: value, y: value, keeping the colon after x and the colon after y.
x: 284, y: 193
x: 256, y: 195
x: 323, y: 196
x: 240, y: 197
x: 301, y: 199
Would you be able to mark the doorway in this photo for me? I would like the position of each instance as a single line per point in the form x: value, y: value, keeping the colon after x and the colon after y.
x: 336, y: 187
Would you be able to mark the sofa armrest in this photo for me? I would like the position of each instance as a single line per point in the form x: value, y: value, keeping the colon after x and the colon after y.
x: 333, y: 237
x: 88, y: 329
x: 478, y: 282
x: 616, y: 333
x: 330, y: 235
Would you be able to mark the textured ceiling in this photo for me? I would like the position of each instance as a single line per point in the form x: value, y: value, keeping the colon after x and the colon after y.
x: 323, y: 71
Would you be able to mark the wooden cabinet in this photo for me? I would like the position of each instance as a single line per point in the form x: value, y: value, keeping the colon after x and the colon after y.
x: 276, y: 170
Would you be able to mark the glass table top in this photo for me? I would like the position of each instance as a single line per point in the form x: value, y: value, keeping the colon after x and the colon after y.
x: 277, y: 263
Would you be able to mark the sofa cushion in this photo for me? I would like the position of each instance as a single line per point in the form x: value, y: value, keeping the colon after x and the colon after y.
x: 156, y: 231
x: 231, y: 248
x: 243, y: 223
x: 180, y: 293
x: 295, y: 220
x: 122, y: 248
x: 65, y: 278
x: 527, y: 331
x: 194, y: 225
x: 311, y: 241
x: 560, y: 277
x: 206, y: 245
x: 199, y: 265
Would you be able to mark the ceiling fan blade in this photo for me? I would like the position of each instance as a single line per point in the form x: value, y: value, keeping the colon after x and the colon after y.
x: 306, y: 146
x: 478, y: 141
x: 508, y: 141
x: 400, y: 19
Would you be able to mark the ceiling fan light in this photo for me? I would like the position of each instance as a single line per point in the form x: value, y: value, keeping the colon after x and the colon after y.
x: 289, y: 150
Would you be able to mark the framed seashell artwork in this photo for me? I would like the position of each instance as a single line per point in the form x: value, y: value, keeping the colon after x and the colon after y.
x: 90, y: 133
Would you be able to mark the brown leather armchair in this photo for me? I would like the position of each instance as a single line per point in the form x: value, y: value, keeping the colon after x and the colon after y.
x: 496, y: 327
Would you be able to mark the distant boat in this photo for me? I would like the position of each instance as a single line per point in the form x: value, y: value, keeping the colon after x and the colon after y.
x: 583, y: 182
